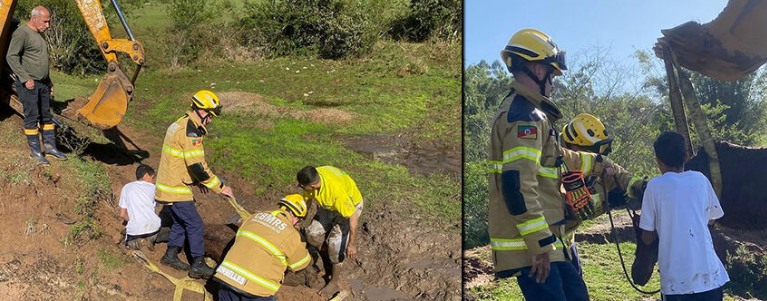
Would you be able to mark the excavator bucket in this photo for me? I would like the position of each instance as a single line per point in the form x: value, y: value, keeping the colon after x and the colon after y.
x: 730, y: 47
x: 106, y: 107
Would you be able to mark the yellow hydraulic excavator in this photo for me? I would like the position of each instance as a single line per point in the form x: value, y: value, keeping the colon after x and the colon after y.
x: 106, y: 107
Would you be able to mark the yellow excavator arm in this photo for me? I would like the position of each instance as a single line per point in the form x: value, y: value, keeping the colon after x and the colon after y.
x: 106, y: 107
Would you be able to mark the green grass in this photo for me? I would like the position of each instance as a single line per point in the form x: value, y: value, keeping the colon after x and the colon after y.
x: 400, y: 88
x: 601, y: 271
x: 111, y: 260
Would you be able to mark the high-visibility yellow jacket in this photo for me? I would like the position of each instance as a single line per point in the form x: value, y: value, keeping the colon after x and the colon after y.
x: 526, y: 206
x: 337, y: 192
x: 182, y: 163
x: 266, y: 245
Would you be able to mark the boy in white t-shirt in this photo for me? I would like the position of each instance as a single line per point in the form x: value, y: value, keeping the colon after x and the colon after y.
x: 137, y: 207
x: 677, y: 207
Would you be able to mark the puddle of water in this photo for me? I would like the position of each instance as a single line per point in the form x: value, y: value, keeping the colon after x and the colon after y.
x: 423, y: 157
x: 428, y: 265
x: 374, y: 293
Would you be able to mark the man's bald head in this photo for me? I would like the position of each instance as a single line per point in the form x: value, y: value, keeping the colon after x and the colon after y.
x: 40, y: 11
x: 40, y: 19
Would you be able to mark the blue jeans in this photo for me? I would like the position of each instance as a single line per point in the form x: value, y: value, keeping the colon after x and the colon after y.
x: 576, y: 260
x: 563, y: 284
x: 187, y: 223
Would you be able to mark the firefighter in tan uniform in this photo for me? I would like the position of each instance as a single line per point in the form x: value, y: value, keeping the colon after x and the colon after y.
x: 588, y: 134
x: 266, y: 245
x: 527, y: 210
x: 183, y: 165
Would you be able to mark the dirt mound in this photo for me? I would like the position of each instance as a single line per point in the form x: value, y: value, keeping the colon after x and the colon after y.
x: 476, y: 271
x: 243, y: 103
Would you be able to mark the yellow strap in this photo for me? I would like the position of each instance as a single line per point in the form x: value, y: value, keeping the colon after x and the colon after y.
x: 244, y: 214
x: 30, y: 132
x: 182, y: 284
x: 48, y: 127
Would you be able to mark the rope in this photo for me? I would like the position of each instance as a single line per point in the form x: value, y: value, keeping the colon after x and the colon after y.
x: 615, y: 237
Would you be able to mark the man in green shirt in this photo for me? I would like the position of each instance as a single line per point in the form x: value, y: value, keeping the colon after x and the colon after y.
x: 28, y: 58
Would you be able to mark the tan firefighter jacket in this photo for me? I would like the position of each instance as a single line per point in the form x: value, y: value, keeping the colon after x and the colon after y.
x: 182, y: 163
x: 526, y: 206
x: 266, y: 245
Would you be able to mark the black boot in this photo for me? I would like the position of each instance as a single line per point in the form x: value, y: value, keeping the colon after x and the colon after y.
x: 49, y: 141
x: 200, y: 269
x: 171, y: 259
x: 34, y: 146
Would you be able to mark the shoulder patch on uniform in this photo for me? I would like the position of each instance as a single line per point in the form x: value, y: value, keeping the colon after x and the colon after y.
x: 527, y: 132
x: 196, y: 142
x: 192, y: 130
x: 522, y: 109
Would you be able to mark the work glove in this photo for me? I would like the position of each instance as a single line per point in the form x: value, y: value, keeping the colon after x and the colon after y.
x: 577, y: 195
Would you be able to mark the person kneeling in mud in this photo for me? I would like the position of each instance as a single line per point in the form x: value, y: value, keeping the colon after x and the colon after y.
x: 335, y: 223
x: 266, y: 244
x: 586, y: 133
x: 137, y: 208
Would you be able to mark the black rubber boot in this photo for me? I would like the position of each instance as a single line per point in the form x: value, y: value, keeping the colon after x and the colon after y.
x: 332, y: 286
x: 49, y: 142
x: 34, y: 147
x: 171, y: 259
x: 200, y: 269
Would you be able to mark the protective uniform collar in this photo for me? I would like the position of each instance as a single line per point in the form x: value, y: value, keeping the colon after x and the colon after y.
x: 196, y: 120
x: 541, y: 102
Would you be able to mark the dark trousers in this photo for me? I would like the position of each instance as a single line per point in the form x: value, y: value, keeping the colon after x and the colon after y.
x: 187, y: 223
x: 129, y: 237
x: 563, y: 284
x: 226, y: 294
x: 716, y: 294
x: 36, y: 103
x: 576, y: 260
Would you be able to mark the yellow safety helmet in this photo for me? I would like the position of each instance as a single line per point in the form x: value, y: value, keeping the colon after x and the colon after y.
x: 534, y: 46
x: 207, y: 101
x: 295, y: 203
x: 589, y: 132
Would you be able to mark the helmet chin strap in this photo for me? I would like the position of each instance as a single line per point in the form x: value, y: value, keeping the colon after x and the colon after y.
x: 202, y: 119
x: 541, y: 82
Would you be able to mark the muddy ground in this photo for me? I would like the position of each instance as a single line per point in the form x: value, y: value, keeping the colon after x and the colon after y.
x: 400, y: 257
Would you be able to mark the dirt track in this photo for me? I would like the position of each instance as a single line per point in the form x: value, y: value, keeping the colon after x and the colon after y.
x: 400, y: 257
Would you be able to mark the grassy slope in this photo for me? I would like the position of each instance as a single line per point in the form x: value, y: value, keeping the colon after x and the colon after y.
x: 405, y: 87
x: 602, y: 273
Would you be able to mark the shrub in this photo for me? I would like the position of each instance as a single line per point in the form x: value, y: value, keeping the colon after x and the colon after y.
x: 71, y: 46
x: 328, y: 28
x: 429, y: 19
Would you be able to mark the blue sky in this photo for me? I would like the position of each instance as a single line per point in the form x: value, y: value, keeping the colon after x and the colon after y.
x: 622, y: 26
